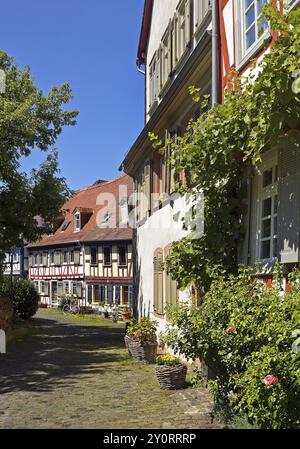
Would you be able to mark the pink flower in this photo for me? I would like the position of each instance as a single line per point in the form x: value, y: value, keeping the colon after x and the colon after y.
x: 269, y: 380
x: 231, y: 330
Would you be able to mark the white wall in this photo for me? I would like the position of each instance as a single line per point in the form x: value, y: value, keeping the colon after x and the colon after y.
x: 158, y: 232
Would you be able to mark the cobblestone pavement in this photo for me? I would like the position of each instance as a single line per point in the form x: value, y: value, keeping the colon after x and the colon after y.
x: 74, y: 375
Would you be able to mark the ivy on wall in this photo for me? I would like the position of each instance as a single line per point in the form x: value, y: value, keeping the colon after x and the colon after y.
x: 259, y: 112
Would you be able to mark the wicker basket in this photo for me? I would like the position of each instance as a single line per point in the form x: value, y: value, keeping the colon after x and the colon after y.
x: 141, y: 353
x: 171, y: 377
x: 127, y: 340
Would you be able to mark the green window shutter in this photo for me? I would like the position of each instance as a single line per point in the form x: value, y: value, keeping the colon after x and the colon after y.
x: 288, y: 205
x: 188, y: 22
x: 158, y: 283
x: 45, y: 259
x: 174, y: 40
x: 79, y: 290
x: 59, y: 289
x: 57, y: 258
x: 77, y: 257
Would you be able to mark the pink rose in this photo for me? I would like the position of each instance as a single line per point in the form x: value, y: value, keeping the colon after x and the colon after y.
x: 269, y: 380
x: 231, y: 330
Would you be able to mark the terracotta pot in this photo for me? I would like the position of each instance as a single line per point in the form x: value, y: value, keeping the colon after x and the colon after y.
x: 126, y: 316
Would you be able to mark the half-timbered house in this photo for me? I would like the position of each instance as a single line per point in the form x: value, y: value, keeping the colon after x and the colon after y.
x: 89, y: 255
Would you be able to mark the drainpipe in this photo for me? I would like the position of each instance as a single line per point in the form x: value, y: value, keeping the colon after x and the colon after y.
x: 139, y: 63
x: 215, y: 53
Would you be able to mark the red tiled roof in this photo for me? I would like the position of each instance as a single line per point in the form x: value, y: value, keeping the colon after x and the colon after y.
x: 95, y: 228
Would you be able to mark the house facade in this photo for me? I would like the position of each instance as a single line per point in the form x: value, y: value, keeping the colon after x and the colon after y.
x: 89, y: 256
x: 198, y: 43
x: 16, y: 263
x: 273, y: 219
x: 175, y: 49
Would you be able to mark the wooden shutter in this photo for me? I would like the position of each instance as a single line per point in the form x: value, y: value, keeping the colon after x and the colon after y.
x: 167, y: 164
x: 90, y: 294
x: 171, y: 288
x: 158, y: 283
x: 46, y: 288
x: 45, y: 259
x: 289, y: 204
x: 110, y: 298
x: 57, y: 258
x: 187, y: 22
x: 60, y: 288
x: 175, y: 41
x: 79, y: 290
x: 77, y: 257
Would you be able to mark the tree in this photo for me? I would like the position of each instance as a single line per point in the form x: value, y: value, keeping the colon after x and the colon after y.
x: 29, y: 121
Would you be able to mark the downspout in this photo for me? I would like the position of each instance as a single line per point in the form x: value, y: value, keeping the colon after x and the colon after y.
x: 139, y: 63
x: 215, y: 93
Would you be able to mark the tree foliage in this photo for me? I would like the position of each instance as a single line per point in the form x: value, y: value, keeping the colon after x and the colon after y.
x: 29, y: 121
x: 260, y: 112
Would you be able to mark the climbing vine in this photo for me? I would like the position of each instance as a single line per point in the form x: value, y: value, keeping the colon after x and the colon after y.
x: 259, y: 112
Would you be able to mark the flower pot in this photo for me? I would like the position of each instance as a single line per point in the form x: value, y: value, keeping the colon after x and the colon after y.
x: 171, y: 377
x: 127, y: 339
x: 126, y: 316
x: 142, y: 352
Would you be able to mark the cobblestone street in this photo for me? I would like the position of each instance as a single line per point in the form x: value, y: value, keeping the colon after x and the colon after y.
x: 78, y: 375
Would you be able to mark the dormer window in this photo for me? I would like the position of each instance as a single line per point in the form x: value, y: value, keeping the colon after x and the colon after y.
x: 77, y: 221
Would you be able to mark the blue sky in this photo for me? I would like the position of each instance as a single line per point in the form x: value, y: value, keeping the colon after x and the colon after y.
x: 92, y: 44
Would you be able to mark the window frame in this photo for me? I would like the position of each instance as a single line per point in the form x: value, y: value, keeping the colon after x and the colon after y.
x: 243, y: 55
x: 264, y: 193
x: 125, y: 253
x: 105, y: 263
x: 77, y: 221
x: 94, y: 262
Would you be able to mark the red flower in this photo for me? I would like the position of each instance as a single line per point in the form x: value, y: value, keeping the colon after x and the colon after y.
x: 231, y: 330
x: 269, y: 380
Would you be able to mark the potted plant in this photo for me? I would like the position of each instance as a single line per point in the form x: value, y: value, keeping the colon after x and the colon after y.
x: 141, y: 340
x: 170, y: 372
x: 126, y: 313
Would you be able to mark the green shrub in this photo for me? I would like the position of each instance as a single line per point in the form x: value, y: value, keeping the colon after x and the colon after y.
x: 244, y: 332
x: 24, y: 296
x: 144, y: 331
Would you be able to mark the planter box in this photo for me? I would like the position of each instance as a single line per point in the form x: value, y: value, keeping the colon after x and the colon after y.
x: 171, y: 377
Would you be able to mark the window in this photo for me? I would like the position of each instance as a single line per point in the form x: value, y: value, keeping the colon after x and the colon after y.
x: 77, y: 221
x: 102, y: 293
x: 94, y: 255
x: 36, y: 259
x: 165, y: 55
x: 122, y: 254
x: 253, y: 24
x: 107, y: 256
x: 66, y: 287
x: 45, y: 259
x: 183, y: 27
x: 201, y: 8
x: 72, y: 256
x: 57, y: 258
x: 125, y: 295
x: 153, y: 80
x: 269, y: 213
x: 52, y: 258
x: 65, y: 257
x: 42, y: 287
x: 77, y: 257
x: 117, y: 294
